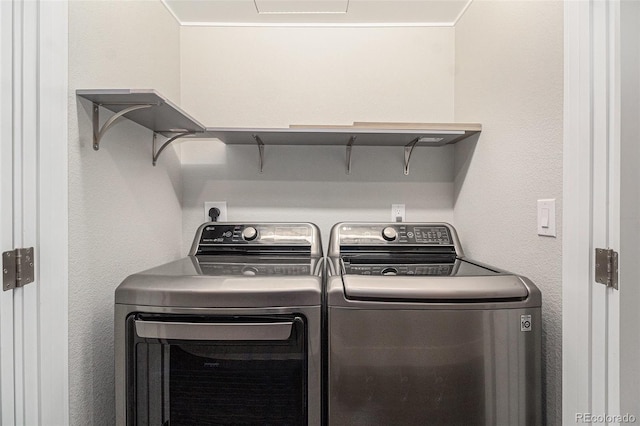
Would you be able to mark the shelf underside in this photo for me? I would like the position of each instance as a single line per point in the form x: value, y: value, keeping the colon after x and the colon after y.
x: 162, y: 117
x: 369, y: 136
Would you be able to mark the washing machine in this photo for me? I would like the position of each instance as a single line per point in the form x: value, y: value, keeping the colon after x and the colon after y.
x: 420, y: 335
x: 229, y: 335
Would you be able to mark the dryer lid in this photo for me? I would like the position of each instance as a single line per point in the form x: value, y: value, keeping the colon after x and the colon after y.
x: 183, y: 283
x: 457, y: 289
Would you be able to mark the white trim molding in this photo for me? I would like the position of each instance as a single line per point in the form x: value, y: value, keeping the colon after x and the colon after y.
x: 591, y: 379
x: 7, y: 371
x: 577, y: 186
x: 52, y: 221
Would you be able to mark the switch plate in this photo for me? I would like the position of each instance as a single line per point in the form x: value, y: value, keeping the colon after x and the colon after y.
x: 547, y: 217
x: 221, y: 205
x: 397, y: 211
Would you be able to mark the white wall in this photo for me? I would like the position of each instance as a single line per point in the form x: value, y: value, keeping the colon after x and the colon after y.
x: 310, y: 184
x: 509, y: 77
x: 124, y: 214
x: 274, y: 77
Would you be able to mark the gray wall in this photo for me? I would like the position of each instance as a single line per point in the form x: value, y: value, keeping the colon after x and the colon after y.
x: 124, y: 214
x: 509, y: 77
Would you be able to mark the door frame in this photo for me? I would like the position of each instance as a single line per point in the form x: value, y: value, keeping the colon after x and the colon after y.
x: 7, y: 375
x: 591, y: 201
x: 34, y: 356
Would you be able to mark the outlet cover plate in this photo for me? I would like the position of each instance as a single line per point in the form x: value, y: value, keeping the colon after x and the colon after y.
x: 397, y: 211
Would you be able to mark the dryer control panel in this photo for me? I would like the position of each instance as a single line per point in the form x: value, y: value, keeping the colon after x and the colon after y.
x: 236, y: 238
x: 255, y: 234
x: 254, y: 269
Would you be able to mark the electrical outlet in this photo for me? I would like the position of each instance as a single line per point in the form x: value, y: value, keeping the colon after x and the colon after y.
x: 220, y: 205
x: 397, y: 212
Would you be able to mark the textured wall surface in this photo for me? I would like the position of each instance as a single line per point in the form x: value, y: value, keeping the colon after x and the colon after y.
x: 261, y: 77
x: 274, y: 77
x: 124, y: 214
x: 310, y: 184
x: 509, y: 77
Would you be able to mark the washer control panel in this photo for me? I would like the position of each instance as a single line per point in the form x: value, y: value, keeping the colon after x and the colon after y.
x: 444, y: 269
x: 398, y: 233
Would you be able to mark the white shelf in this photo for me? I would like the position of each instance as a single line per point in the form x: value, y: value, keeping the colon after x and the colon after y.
x: 323, y: 135
x: 157, y: 113
x: 146, y: 107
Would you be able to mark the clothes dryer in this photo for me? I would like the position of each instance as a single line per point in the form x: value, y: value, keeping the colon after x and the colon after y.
x: 229, y: 335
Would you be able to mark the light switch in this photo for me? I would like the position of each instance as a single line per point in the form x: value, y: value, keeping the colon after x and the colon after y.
x: 547, y: 217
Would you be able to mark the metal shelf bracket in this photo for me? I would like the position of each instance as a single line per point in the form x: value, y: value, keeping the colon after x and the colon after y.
x: 260, y: 150
x: 408, y: 150
x: 155, y: 154
x: 349, y: 147
x: 98, y: 132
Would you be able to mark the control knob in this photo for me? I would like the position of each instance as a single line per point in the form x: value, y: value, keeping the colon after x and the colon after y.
x: 389, y: 233
x: 249, y: 233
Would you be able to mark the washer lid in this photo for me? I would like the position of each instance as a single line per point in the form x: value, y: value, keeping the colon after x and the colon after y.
x: 468, y: 289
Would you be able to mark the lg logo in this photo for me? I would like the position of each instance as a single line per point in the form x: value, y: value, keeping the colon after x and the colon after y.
x: 525, y: 322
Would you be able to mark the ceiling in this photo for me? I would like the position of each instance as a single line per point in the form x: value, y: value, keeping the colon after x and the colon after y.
x: 317, y: 12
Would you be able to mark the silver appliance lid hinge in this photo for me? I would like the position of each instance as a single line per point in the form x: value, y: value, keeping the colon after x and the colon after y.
x: 607, y: 267
x: 17, y: 268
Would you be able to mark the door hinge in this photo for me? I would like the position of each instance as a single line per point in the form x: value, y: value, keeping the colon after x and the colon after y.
x: 607, y: 267
x: 17, y: 268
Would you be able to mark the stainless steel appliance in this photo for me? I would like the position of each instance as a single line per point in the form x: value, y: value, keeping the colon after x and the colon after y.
x: 229, y: 335
x: 420, y: 335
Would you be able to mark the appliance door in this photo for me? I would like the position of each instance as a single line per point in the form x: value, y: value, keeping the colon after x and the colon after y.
x: 216, y: 370
x: 434, y: 367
